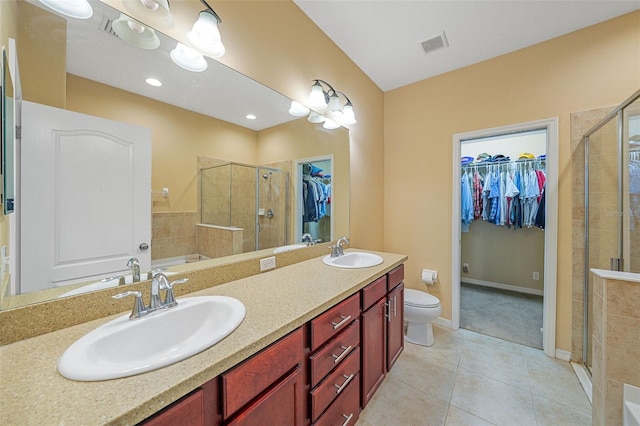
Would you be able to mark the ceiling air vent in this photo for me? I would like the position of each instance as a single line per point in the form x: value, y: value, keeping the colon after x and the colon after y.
x: 434, y: 43
x: 105, y: 25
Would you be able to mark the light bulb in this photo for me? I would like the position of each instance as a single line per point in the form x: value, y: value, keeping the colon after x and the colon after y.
x: 316, y: 96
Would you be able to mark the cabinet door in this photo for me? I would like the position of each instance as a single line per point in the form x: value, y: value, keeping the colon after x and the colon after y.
x: 373, y: 343
x: 282, y: 405
x: 395, y: 335
x: 188, y: 411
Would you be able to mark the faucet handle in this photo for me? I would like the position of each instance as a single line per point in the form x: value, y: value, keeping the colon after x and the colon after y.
x: 139, y: 309
x: 169, y: 299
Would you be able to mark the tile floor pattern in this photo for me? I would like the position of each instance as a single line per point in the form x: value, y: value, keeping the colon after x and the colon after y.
x: 467, y: 378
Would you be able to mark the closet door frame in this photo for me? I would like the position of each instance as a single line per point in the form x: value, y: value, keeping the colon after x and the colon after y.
x: 551, y: 226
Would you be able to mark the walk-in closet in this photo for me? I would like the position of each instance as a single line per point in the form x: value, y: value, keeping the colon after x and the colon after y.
x: 502, y: 222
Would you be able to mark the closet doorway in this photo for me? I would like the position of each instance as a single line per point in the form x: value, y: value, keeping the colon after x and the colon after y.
x: 314, y: 199
x: 504, y: 251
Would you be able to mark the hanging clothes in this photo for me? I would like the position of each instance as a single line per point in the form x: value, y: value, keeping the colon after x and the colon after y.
x: 466, y: 202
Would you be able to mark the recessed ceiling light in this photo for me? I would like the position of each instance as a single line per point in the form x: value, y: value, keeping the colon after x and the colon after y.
x: 153, y: 82
x: 251, y: 117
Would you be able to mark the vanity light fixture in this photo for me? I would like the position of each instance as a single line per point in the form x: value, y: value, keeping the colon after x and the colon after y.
x: 79, y: 9
x: 188, y: 58
x: 135, y: 33
x: 155, y: 12
x: 153, y: 82
x: 327, y: 102
x: 205, y: 35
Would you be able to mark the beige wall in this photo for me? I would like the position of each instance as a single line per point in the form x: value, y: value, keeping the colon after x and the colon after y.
x: 597, y: 66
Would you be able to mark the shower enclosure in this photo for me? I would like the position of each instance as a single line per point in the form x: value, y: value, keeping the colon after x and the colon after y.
x: 612, y: 200
x: 250, y: 202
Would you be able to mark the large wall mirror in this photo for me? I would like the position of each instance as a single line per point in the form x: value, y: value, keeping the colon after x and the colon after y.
x: 99, y: 145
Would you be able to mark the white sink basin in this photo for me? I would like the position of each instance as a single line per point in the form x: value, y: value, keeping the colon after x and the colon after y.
x: 102, y: 284
x: 289, y: 247
x: 353, y: 260
x: 124, y: 347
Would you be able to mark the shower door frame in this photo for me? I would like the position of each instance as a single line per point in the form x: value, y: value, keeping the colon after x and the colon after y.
x: 616, y: 113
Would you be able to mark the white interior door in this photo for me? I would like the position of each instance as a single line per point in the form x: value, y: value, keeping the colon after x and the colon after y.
x: 85, y: 197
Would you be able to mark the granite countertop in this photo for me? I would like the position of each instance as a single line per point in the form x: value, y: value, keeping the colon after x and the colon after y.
x: 33, y: 393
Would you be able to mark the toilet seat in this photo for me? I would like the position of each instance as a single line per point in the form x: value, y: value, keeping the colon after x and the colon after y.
x: 420, y: 299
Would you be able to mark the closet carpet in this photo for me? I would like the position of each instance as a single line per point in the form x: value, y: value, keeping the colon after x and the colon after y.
x: 507, y: 315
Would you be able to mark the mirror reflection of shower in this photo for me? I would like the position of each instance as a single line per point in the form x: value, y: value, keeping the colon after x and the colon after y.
x: 243, y: 208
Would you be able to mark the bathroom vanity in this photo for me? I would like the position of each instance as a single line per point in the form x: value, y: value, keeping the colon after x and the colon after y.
x: 300, y: 356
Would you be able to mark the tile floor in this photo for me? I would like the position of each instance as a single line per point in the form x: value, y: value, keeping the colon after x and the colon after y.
x: 467, y: 378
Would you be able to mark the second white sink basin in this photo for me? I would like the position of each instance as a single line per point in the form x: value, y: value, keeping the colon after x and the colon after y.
x: 289, y: 247
x: 353, y: 260
x: 125, y: 347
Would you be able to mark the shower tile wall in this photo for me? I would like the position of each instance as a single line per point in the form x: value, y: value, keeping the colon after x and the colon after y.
x: 243, y: 204
x: 173, y: 234
x: 616, y: 346
x: 581, y: 122
x: 217, y: 242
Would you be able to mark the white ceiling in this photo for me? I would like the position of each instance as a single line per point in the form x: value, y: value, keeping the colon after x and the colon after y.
x: 383, y: 37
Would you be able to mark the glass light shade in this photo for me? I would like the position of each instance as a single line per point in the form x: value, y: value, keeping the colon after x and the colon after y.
x: 298, y: 110
x: 314, y: 117
x: 348, y: 117
x: 334, y: 109
x: 79, y: 9
x: 154, y: 12
x: 205, y: 36
x: 330, y: 124
x: 188, y: 58
x: 316, y: 96
x: 134, y: 33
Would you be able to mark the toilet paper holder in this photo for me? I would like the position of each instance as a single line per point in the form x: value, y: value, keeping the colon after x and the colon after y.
x: 429, y: 276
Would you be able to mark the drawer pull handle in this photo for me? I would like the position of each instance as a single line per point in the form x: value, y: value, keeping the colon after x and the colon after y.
x: 338, y: 358
x: 346, y: 382
x: 349, y: 417
x: 387, y: 313
x: 339, y: 324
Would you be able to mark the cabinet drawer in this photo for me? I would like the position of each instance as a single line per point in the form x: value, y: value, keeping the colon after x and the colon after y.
x: 245, y: 381
x: 345, y: 410
x: 335, y: 383
x: 373, y: 292
x: 395, y: 277
x: 327, y: 358
x: 333, y: 320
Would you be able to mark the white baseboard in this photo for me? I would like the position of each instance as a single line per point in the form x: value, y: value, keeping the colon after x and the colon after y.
x: 503, y: 286
x: 563, y: 355
x: 442, y: 321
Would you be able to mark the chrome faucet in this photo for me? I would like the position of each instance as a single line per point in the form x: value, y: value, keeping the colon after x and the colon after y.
x: 306, y: 238
x: 134, y: 265
x: 159, y: 282
x: 337, y: 250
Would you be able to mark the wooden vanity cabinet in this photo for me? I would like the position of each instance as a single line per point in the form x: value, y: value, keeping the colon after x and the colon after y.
x: 334, y: 364
x: 395, y: 329
x: 382, y: 337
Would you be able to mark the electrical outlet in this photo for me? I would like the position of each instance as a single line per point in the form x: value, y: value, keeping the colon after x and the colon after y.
x: 536, y: 276
x: 267, y: 263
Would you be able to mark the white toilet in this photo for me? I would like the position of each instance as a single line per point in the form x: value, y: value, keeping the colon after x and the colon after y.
x: 420, y: 309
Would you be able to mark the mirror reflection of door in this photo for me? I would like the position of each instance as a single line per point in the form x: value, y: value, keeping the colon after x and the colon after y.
x: 314, y: 199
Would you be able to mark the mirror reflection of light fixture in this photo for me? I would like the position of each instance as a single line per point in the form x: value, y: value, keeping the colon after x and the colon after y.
x: 155, y: 12
x: 315, y: 118
x: 134, y: 33
x: 205, y: 35
x: 330, y: 124
x: 188, y: 58
x: 298, y: 110
x: 79, y: 9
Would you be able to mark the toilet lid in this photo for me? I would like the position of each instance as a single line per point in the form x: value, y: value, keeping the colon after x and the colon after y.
x: 419, y: 299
